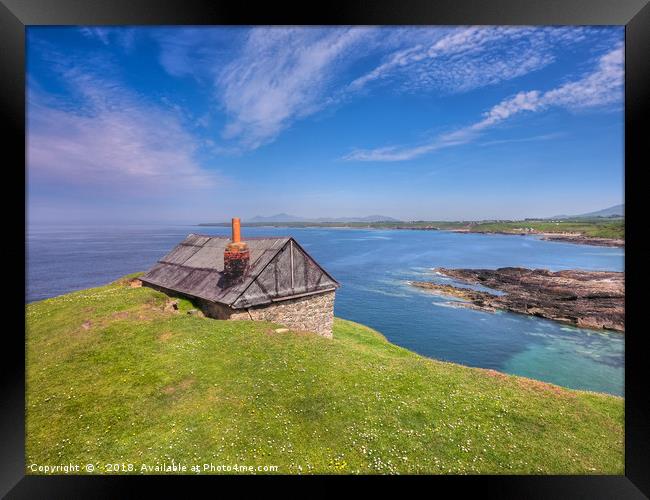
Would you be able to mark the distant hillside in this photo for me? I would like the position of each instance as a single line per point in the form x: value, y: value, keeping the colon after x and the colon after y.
x: 276, y: 218
x: 369, y: 218
x: 294, y: 218
x: 615, y: 211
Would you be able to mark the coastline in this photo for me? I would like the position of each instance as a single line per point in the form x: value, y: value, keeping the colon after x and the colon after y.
x: 578, y: 239
x: 562, y: 237
x: 583, y: 240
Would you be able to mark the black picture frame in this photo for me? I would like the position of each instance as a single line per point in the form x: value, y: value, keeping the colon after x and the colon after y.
x: 15, y: 15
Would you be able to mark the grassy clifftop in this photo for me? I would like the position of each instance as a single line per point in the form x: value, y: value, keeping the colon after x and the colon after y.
x: 112, y: 378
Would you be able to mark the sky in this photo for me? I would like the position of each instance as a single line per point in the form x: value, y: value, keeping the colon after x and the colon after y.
x: 200, y: 124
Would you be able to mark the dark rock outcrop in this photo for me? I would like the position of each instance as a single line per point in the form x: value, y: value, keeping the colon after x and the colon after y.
x: 589, y: 299
x: 585, y: 240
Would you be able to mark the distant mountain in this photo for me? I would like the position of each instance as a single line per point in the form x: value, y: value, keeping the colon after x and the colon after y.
x: 369, y: 218
x: 294, y: 218
x: 615, y: 211
x: 277, y: 218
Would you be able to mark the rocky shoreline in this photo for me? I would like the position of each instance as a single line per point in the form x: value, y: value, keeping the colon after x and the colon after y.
x: 576, y: 238
x: 588, y: 299
x: 583, y: 240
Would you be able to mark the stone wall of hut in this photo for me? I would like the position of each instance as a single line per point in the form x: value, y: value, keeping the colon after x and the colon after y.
x: 313, y: 313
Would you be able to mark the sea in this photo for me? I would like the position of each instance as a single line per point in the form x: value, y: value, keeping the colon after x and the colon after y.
x: 374, y: 268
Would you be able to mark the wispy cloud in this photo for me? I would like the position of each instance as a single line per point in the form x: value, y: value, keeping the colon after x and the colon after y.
x: 124, y: 37
x: 473, y: 57
x: 600, y: 87
x: 100, y: 34
x: 282, y: 75
x: 109, y: 136
x: 199, y: 52
x: 534, y: 138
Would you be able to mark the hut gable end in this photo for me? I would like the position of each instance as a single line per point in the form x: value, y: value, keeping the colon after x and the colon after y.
x: 292, y: 272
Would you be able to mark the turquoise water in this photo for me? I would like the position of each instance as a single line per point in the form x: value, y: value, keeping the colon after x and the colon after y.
x: 374, y: 267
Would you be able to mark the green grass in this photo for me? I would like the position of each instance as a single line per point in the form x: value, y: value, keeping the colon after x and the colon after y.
x: 112, y: 378
x: 599, y: 228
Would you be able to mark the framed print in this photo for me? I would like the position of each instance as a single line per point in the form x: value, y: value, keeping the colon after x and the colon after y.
x: 362, y: 240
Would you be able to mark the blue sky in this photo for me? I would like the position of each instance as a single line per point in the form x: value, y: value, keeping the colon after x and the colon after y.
x: 197, y: 124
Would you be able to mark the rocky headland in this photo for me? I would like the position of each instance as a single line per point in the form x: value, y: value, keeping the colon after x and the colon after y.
x: 577, y: 238
x: 588, y: 299
x: 584, y: 240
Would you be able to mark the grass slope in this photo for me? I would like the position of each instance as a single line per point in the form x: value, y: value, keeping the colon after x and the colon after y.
x: 112, y: 378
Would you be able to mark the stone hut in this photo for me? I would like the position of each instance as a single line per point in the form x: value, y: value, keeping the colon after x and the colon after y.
x: 272, y: 279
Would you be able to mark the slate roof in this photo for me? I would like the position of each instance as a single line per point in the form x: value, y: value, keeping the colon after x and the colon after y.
x: 195, y: 266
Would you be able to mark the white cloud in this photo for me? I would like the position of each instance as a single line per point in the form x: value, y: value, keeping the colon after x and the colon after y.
x: 109, y: 137
x: 123, y: 36
x: 198, y: 52
x: 99, y: 33
x: 473, y: 57
x: 601, y: 87
x: 534, y: 138
x: 281, y: 75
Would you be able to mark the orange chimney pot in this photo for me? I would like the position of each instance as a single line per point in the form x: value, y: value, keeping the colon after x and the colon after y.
x: 236, y: 230
x: 236, y: 256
